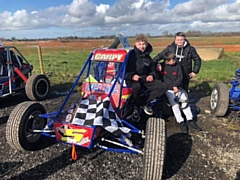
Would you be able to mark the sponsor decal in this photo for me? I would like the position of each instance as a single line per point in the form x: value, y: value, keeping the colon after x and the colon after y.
x: 113, y: 57
x: 78, y: 135
x: 110, y: 55
x: 101, y: 88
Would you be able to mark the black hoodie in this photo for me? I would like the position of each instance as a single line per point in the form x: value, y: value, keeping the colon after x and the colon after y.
x: 140, y: 63
x: 184, y: 56
x: 171, y: 75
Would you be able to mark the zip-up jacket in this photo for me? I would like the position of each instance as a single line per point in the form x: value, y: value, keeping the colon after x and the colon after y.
x: 184, y: 57
x: 140, y: 63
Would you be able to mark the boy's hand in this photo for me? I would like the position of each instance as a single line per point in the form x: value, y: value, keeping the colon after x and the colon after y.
x: 136, y: 77
x: 149, y: 78
x: 192, y: 75
x: 159, y: 67
x: 175, y: 89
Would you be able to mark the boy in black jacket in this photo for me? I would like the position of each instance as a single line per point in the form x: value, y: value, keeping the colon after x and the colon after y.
x: 171, y: 74
x: 141, y: 72
x: 186, y: 55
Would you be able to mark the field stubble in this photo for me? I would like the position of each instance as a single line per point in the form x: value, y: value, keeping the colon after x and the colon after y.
x: 62, y: 60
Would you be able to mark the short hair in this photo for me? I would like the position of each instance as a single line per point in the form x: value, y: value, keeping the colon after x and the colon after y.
x: 169, y: 56
x: 180, y: 34
x: 141, y: 37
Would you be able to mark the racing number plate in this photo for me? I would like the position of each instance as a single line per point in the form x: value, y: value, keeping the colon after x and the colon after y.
x: 78, y: 135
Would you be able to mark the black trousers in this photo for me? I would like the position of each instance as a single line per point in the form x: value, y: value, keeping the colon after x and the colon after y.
x: 156, y: 89
x: 185, y: 83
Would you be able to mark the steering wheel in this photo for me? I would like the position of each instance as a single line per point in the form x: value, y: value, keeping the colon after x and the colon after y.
x: 103, y: 77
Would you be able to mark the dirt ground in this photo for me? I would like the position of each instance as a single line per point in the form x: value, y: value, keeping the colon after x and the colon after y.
x: 212, y: 154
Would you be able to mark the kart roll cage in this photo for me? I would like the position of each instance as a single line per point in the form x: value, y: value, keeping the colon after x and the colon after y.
x: 102, y: 56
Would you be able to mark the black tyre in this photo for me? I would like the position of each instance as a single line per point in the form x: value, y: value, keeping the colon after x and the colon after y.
x: 127, y: 109
x: 219, y: 100
x: 154, y: 149
x: 22, y: 121
x: 37, y: 87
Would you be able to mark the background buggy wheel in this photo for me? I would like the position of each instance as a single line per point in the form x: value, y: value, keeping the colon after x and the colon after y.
x: 23, y: 119
x: 37, y: 87
x: 154, y: 149
x: 219, y: 100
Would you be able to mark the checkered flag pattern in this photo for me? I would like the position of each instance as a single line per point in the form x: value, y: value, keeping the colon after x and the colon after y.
x: 99, y: 113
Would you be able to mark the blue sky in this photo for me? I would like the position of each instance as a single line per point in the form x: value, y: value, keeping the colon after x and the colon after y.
x: 33, y: 5
x: 58, y: 18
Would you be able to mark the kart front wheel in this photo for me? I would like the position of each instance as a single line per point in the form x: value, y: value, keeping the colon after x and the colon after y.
x: 37, y: 87
x: 219, y: 100
x: 20, y: 125
x: 154, y: 148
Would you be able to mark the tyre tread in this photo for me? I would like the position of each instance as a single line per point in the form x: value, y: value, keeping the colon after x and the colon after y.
x: 223, y: 100
x: 14, y: 123
x: 29, y: 89
x: 154, y: 149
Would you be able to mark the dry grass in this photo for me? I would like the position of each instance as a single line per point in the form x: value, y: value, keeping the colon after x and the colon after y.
x: 230, y: 44
x: 57, y: 53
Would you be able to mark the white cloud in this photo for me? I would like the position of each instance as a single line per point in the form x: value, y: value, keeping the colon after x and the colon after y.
x: 129, y: 16
x: 102, y: 8
x: 34, y: 12
x: 16, y: 20
x: 141, y: 4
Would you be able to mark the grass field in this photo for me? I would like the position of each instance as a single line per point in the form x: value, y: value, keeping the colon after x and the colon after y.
x: 63, y: 60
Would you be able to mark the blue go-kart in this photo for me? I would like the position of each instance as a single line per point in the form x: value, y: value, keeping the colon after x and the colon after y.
x: 101, y: 118
x: 224, y: 98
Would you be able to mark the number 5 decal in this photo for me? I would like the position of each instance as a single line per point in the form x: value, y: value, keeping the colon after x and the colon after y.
x: 76, y: 134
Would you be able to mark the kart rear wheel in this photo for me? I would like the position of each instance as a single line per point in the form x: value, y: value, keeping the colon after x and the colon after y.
x: 22, y: 121
x: 154, y: 149
x: 127, y: 109
x: 37, y: 87
x: 219, y: 100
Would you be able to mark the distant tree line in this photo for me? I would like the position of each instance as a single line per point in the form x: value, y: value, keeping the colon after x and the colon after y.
x: 164, y: 34
x: 205, y: 34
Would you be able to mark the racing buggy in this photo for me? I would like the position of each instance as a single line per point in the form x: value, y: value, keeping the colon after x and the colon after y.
x: 16, y: 75
x: 223, y: 98
x: 101, y: 118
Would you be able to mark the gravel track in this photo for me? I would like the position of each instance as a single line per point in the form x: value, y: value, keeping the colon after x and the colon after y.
x: 211, y: 154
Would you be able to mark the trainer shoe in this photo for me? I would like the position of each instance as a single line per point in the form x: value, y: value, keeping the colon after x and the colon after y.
x: 183, y: 127
x: 192, y: 124
x: 148, y: 110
